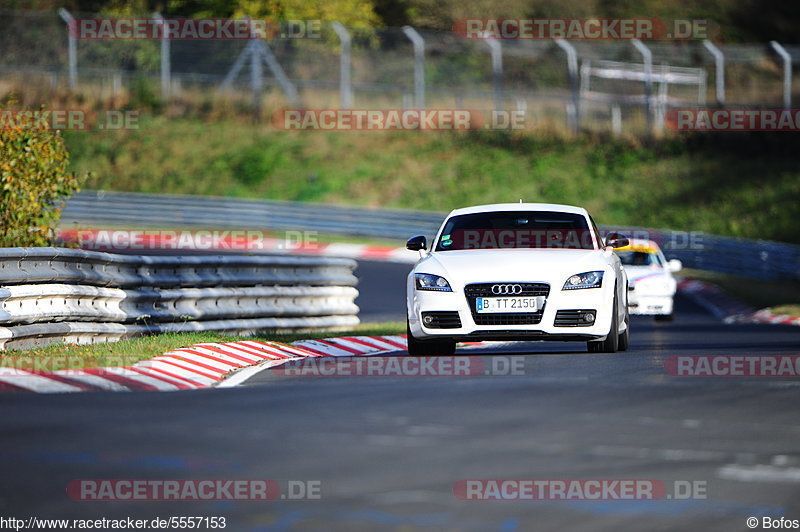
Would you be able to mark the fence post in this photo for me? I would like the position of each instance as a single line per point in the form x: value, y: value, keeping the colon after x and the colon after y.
x: 719, y: 70
x: 419, y: 65
x: 256, y: 75
x: 345, y: 80
x: 787, y: 73
x: 497, y: 72
x: 647, y: 57
x: 572, y: 69
x: 264, y: 52
x: 72, y: 47
x: 237, y: 66
x: 616, y: 119
x: 165, y: 58
x: 257, y: 51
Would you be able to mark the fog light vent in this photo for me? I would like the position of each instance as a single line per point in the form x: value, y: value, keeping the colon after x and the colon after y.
x: 575, y: 318
x: 441, y: 320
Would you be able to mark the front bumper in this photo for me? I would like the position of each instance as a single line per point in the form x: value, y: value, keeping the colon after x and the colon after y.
x: 649, y: 305
x: 599, y: 300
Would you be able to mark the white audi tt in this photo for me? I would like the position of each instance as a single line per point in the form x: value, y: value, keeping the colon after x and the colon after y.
x: 517, y: 272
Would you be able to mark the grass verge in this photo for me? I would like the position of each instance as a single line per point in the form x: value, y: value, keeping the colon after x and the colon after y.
x: 126, y: 352
x: 739, y: 184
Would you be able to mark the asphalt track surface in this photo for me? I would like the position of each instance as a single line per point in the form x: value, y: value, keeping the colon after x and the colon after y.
x: 388, y: 450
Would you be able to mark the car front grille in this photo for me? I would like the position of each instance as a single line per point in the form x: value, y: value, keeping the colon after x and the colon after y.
x: 441, y: 320
x: 473, y: 291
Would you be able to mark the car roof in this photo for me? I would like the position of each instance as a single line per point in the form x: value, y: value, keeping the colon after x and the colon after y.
x: 498, y: 207
x: 641, y: 244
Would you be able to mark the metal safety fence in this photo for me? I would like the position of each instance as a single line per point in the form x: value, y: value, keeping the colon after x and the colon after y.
x: 632, y: 82
x: 759, y: 259
x: 71, y: 295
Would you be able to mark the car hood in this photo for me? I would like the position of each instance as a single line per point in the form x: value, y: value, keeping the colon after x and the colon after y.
x: 520, y: 265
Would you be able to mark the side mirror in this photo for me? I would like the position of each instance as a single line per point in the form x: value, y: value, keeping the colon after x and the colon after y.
x: 416, y: 243
x: 674, y: 265
x: 616, y: 240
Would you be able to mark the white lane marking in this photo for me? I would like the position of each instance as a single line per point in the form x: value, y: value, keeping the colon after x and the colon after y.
x: 239, y: 376
x: 780, y: 460
x: 399, y: 441
x: 759, y: 473
x: 434, y: 430
x: 620, y: 451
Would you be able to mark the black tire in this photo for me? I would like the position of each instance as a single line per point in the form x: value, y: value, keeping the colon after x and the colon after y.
x: 625, y: 337
x: 428, y: 348
x: 664, y: 317
x: 611, y: 343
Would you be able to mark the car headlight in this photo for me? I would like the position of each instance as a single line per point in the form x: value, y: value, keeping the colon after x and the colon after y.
x: 427, y: 281
x: 584, y: 280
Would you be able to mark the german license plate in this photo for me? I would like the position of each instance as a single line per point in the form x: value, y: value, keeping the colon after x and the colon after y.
x: 507, y: 304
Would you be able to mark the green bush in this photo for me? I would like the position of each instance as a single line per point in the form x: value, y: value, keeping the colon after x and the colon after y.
x: 34, y: 177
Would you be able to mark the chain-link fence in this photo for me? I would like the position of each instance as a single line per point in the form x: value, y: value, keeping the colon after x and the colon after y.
x: 600, y: 85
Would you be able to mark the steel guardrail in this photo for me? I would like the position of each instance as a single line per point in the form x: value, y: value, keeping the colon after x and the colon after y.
x: 759, y: 259
x: 93, y: 208
x: 71, y: 295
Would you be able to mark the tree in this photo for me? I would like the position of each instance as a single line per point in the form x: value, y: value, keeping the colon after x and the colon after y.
x: 33, y: 180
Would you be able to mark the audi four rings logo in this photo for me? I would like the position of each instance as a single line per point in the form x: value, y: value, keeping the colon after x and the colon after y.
x: 507, y: 289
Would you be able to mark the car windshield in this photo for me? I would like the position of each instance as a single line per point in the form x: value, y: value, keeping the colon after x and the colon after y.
x: 640, y: 258
x: 516, y: 229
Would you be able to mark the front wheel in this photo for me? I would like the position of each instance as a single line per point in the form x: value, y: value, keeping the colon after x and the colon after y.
x: 625, y: 337
x: 427, y: 348
x: 611, y: 343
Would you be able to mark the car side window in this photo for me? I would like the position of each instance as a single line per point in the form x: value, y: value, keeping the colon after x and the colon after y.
x: 596, y: 233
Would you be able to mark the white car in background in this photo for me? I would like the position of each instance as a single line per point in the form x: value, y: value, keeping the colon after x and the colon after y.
x: 520, y: 272
x: 651, y: 286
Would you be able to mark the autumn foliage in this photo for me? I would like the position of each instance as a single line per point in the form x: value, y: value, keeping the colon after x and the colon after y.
x: 35, y: 180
